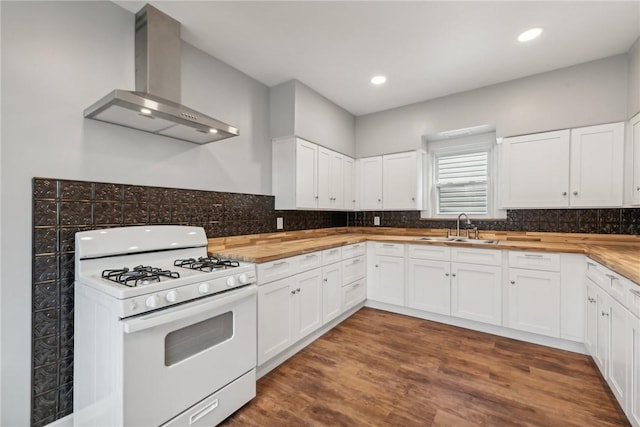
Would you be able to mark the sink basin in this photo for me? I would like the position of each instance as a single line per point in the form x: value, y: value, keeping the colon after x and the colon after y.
x: 458, y: 240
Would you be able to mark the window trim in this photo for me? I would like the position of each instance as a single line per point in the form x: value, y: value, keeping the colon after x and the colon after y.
x: 474, y: 143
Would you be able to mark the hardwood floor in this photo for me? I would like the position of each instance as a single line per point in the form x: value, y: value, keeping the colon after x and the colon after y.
x: 384, y: 369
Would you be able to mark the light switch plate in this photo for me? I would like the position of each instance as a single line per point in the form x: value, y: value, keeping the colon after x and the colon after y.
x: 376, y: 220
x: 279, y: 223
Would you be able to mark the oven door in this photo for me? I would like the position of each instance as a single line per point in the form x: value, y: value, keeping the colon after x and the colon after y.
x: 176, y: 357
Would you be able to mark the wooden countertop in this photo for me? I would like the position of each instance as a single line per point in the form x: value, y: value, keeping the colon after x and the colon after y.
x: 619, y: 253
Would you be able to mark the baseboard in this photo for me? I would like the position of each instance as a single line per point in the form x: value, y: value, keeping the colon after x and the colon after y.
x: 559, y: 343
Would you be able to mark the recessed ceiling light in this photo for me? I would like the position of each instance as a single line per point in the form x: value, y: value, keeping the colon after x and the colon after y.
x: 145, y: 111
x: 529, y: 34
x: 212, y: 130
x: 378, y: 80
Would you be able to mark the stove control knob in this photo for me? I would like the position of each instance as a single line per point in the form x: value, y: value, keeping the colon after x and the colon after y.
x: 172, y: 296
x: 152, y: 301
x: 204, y: 288
x: 243, y: 278
x: 231, y: 281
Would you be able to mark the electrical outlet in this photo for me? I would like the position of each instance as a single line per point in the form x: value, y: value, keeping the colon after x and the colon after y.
x: 376, y: 220
x: 279, y: 223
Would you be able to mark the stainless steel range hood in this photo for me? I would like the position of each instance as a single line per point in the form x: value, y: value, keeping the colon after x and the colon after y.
x: 155, y: 104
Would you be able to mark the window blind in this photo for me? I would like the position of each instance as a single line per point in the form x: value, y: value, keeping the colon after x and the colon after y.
x: 461, y: 182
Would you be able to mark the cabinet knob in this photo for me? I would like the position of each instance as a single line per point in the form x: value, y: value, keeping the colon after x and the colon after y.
x: 315, y: 197
x: 453, y: 274
x: 638, y: 188
x: 379, y: 200
x: 376, y: 265
x: 293, y: 291
x: 513, y: 282
x: 325, y: 279
x: 413, y: 199
x: 446, y: 274
x: 564, y: 193
x: 575, y: 193
x: 298, y: 290
x: 604, y: 313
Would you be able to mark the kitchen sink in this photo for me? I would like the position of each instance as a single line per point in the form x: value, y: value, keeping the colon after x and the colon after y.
x: 458, y: 240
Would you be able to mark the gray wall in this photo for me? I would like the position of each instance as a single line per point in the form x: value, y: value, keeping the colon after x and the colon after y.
x: 57, y: 59
x: 314, y: 117
x: 634, y: 80
x: 586, y: 94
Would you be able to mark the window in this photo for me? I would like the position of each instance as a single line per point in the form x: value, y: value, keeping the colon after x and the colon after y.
x: 461, y: 183
x: 462, y: 177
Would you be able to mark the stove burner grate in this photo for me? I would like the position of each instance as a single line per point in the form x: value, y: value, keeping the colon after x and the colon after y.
x: 207, y: 264
x: 140, y: 275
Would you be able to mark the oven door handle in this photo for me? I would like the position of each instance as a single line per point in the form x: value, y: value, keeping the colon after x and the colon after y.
x: 179, y: 313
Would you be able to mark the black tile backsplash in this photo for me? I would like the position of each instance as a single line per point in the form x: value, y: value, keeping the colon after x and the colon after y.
x: 602, y: 221
x: 62, y: 207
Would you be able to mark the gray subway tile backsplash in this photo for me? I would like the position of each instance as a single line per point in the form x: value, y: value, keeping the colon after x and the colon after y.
x: 62, y: 207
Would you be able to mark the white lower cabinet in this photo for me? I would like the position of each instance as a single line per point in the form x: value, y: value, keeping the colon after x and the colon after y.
x: 591, y: 318
x: 388, y: 281
x: 353, y: 294
x: 288, y: 310
x: 476, y: 292
x: 633, y: 395
x: 331, y: 292
x: 618, y: 343
x: 429, y: 285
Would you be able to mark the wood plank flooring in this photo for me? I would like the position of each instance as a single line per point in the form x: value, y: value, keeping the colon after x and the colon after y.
x: 384, y: 369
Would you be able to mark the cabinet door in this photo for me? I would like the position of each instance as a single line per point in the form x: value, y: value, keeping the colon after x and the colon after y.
x: 534, y: 301
x: 400, y: 181
x: 591, y: 318
x: 308, y: 309
x: 306, y: 174
x: 371, y: 183
x: 597, y: 166
x: 336, y: 181
x: 633, y: 406
x: 618, y: 341
x: 275, y: 314
x: 349, y: 184
x: 390, y: 279
x: 353, y: 294
x: 476, y: 292
x: 635, y: 147
x: 535, y: 170
x: 601, y: 356
x: 324, y: 178
x: 331, y: 292
x: 429, y: 285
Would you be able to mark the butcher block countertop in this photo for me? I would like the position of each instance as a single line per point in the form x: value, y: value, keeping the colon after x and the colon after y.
x: 620, y: 253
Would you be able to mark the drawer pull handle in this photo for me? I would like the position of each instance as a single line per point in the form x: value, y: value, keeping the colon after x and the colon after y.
x: 611, y: 276
x: 636, y: 293
x: 604, y: 313
x: 590, y: 264
x: 389, y: 245
x: 204, y: 411
x: 355, y: 261
x: 311, y: 256
x: 533, y: 255
x: 275, y: 264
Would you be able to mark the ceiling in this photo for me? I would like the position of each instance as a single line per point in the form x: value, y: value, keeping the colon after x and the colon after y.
x: 427, y: 49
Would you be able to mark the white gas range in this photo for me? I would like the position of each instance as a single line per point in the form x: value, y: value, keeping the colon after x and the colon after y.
x: 164, y: 335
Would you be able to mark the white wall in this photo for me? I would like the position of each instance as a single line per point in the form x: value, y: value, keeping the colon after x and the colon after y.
x: 634, y: 80
x: 591, y: 93
x: 57, y: 59
x: 298, y: 110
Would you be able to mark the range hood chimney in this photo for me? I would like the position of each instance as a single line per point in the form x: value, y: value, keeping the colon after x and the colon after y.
x: 155, y: 104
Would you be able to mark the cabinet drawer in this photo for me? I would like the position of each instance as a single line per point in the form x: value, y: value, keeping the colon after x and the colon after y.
x: 436, y: 253
x: 275, y: 270
x: 354, y: 250
x: 309, y: 261
x: 389, y: 249
x: 353, y: 293
x: 329, y: 256
x: 633, y: 299
x: 353, y: 269
x: 534, y: 260
x: 612, y: 283
x: 476, y: 256
x: 596, y: 273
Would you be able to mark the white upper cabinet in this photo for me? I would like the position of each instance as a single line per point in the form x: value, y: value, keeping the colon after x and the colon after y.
x: 349, y: 184
x: 634, y: 138
x: 391, y: 182
x: 535, y: 170
x: 370, y: 183
x: 570, y: 168
x: 308, y: 176
x: 597, y: 166
x: 402, y: 181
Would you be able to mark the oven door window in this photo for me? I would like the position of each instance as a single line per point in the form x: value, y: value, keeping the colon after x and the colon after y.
x: 193, y: 339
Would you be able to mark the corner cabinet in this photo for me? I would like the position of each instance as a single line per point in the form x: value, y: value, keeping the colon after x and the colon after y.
x: 392, y: 181
x: 308, y: 176
x: 580, y: 167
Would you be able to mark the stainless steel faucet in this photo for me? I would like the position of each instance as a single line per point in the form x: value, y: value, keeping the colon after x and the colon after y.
x: 458, y: 223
